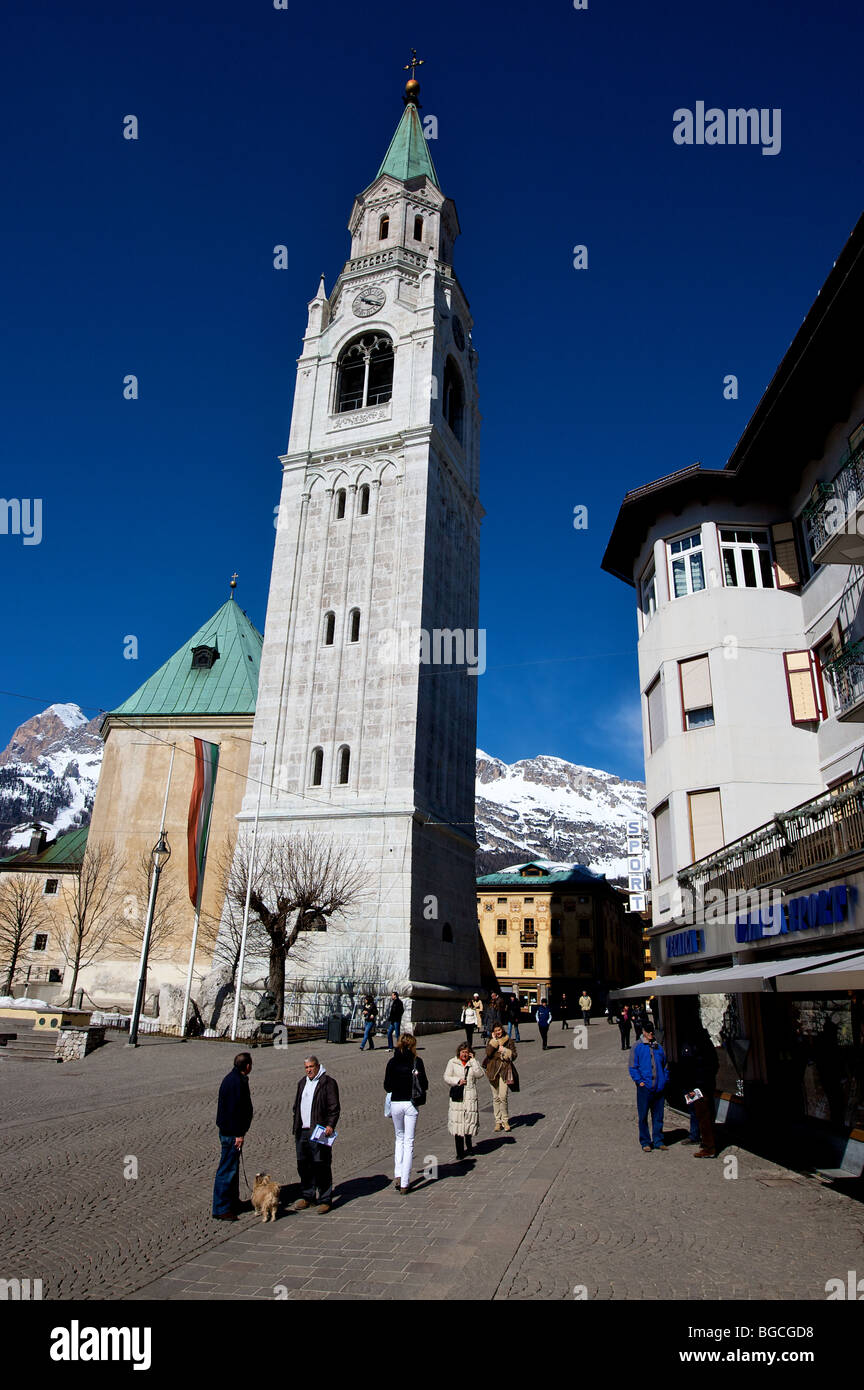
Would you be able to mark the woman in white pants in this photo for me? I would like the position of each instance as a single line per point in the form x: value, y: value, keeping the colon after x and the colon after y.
x: 405, y: 1072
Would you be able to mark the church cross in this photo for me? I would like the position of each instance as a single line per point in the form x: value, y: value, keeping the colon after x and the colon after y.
x: 415, y: 63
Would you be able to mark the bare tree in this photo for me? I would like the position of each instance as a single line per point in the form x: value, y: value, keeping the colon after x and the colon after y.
x: 167, y: 912
x: 222, y: 936
x: 22, y: 912
x: 298, y: 884
x: 92, y: 910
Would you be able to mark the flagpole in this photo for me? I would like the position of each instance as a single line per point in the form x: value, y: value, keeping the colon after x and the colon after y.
x: 199, y: 896
x: 239, y: 981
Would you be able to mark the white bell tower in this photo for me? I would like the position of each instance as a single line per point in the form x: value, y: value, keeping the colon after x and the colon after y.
x: 367, y: 699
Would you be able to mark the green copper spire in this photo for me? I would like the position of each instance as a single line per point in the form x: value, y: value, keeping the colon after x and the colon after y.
x: 408, y: 156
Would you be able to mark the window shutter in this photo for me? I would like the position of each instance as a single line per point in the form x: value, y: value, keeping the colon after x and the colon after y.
x: 803, y: 695
x: 785, y: 556
x: 663, y: 837
x: 695, y: 683
x: 706, y: 823
x: 656, y: 715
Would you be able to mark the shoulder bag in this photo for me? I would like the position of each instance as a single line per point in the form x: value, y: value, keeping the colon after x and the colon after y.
x: 457, y: 1093
x: 418, y: 1095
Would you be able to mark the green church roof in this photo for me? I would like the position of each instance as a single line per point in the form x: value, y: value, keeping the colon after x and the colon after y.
x: 67, y: 850
x: 229, y: 686
x: 408, y: 156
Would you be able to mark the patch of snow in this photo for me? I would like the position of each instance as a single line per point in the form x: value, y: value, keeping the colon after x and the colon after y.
x: 70, y: 715
x: 7, y: 1002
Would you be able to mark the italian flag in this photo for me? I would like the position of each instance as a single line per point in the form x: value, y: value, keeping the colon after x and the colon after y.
x: 200, y: 809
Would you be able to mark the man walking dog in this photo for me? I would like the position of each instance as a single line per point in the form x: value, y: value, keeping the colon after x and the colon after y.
x: 316, y: 1103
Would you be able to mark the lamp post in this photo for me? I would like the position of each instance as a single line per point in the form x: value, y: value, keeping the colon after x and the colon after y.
x: 159, y: 856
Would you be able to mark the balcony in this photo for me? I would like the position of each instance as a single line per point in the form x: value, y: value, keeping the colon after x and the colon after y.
x: 528, y: 940
x: 846, y: 674
x: 817, y: 832
x: 834, y: 519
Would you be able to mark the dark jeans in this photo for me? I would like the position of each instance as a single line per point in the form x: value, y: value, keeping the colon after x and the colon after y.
x: 586, y: 1017
x: 624, y: 1030
x: 513, y: 1026
x: 226, y: 1188
x: 469, y: 1034
x: 368, y: 1032
x: 391, y: 1029
x: 543, y: 1029
x: 650, y: 1103
x: 315, y: 1168
x: 463, y: 1145
x: 564, y: 1023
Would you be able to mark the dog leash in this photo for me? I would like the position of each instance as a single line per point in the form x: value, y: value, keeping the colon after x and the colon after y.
x: 245, y: 1176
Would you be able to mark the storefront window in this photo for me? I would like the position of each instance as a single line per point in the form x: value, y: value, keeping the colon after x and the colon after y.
x: 821, y: 1052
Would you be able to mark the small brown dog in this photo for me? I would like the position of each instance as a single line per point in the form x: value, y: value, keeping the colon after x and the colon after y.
x: 265, y: 1196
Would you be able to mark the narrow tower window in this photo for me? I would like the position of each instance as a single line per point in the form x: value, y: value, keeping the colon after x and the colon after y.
x: 454, y: 399
x: 340, y: 504
x: 364, y: 500
x: 329, y: 629
x: 418, y: 228
x: 365, y: 373
x: 384, y: 229
x: 354, y: 625
x: 317, y: 766
x: 344, y: 765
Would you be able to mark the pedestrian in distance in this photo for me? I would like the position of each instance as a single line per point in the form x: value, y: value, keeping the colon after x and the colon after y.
x: 500, y: 1056
x: 406, y: 1086
x: 394, y: 1018
x: 544, y: 1018
x: 233, y: 1118
x: 564, y: 1023
x: 698, y: 1075
x: 469, y: 1021
x: 585, y: 1006
x: 370, y: 1018
x: 496, y: 1014
x: 463, y: 1117
x: 480, y: 1011
x: 637, y: 1014
x: 514, y: 1013
x: 316, y: 1103
x: 650, y: 1072
x: 624, y: 1027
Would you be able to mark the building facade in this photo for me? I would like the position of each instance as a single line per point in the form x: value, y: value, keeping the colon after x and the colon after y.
x: 749, y: 586
x: 365, y: 729
x: 549, y: 929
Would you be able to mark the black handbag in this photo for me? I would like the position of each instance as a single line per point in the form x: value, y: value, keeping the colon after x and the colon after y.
x: 457, y: 1093
x: 418, y: 1095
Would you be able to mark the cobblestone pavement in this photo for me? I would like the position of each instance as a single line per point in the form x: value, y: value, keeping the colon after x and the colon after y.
x: 566, y: 1202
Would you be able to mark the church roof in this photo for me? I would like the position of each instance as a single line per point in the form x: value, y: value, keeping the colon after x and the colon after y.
x: 551, y: 872
x: 408, y: 156
x: 67, y: 850
x: 229, y: 686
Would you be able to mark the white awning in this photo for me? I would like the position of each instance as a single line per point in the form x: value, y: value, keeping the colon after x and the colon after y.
x: 830, y: 975
x: 754, y: 977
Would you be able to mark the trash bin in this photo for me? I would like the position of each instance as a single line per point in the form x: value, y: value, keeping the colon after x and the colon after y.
x: 337, y: 1029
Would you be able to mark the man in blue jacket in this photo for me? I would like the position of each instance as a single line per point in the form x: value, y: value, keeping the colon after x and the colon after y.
x: 650, y: 1071
x: 233, y: 1118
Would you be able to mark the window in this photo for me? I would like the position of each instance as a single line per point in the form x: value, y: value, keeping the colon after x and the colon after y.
x: 454, y: 398
x: 340, y: 504
x: 384, y: 229
x: 446, y: 932
x: 529, y: 900
x: 826, y: 651
x: 501, y: 960
x: 556, y: 926
x: 706, y: 822
x: 696, y: 698
x: 502, y: 900
x: 528, y: 960
x: 344, y: 765
x: 418, y: 228
x: 649, y: 595
x: 528, y: 927
x: 803, y: 687
x: 688, y: 569
x: 663, y: 841
x: 365, y: 373
x: 317, y: 768
x: 52, y: 887
x: 586, y: 964
x: 656, y: 714
x: 364, y: 500
x: 788, y: 573
x: 502, y: 926
x: 354, y: 625
x: 204, y: 658
x: 746, y: 557
x: 40, y: 941
x: 329, y: 629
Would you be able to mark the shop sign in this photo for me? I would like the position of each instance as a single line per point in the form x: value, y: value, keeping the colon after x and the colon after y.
x: 821, y: 909
x: 684, y: 943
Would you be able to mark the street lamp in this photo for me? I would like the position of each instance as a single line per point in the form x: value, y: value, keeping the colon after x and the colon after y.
x: 159, y: 856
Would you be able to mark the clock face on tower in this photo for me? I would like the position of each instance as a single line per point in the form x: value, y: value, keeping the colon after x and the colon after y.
x: 368, y: 302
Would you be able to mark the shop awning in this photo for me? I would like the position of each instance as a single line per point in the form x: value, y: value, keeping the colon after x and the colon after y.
x: 829, y: 975
x: 754, y: 977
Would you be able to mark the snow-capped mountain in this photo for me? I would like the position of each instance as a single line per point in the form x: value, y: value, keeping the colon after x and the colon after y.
x: 48, y: 773
x: 547, y: 806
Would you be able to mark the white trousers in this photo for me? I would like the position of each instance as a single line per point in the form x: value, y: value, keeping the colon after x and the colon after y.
x: 404, y: 1115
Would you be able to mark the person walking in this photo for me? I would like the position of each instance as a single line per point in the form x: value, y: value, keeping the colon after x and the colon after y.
x: 370, y: 1018
x: 480, y: 1011
x: 463, y: 1117
x: 544, y: 1018
x: 514, y: 1013
x: 624, y: 1027
x: 564, y: 1023
x: 650, y: 1072
x: 469, y: 1021
x: 638, y: 1016
x: 585, y: 1006
x: 496, y: 1013
x: 698, y: 1073
x: 500, y: 1054
x: 406, y: 1084
x: 394, y: 1019
x: 233, y: 1118
x: 316, y: 1103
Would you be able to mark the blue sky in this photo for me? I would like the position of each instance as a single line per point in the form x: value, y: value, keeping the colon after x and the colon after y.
x: 256, y: 127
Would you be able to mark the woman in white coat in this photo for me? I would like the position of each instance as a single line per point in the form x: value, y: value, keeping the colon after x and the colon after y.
x: 463, y: 1118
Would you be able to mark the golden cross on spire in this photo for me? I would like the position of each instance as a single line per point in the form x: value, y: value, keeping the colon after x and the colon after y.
x: 234, y: 579
x: 415, y: 63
